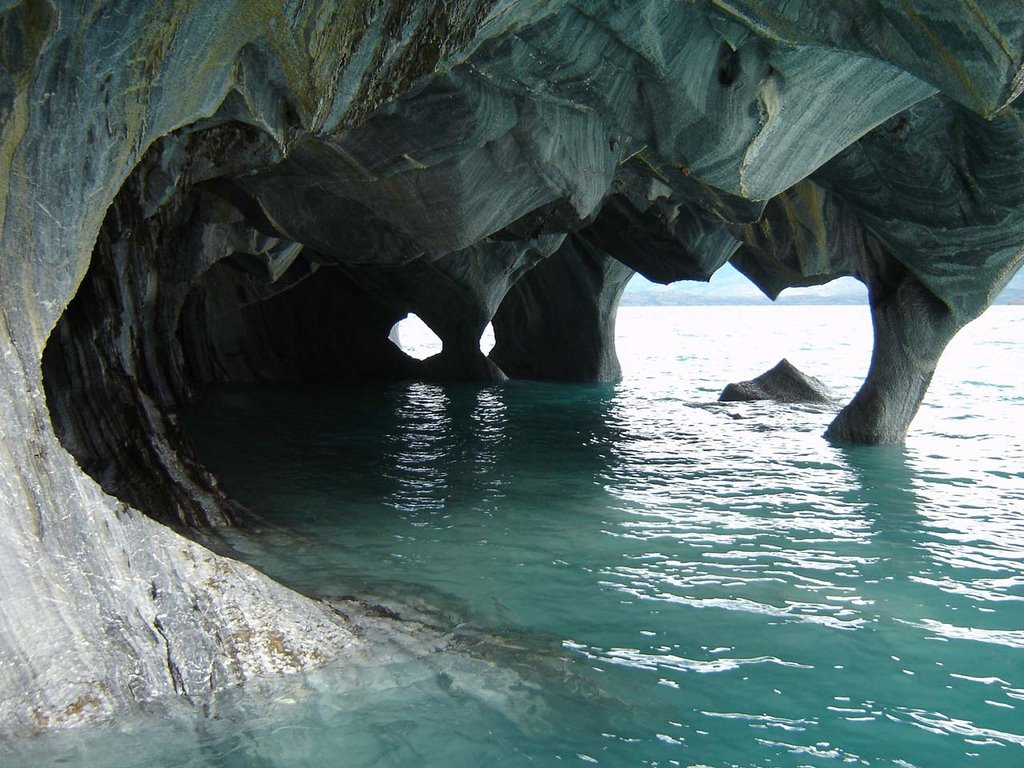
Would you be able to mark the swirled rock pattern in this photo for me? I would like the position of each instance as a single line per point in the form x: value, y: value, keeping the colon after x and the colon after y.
x: 193, y: 193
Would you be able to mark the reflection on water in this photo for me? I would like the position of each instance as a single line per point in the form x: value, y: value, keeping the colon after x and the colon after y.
x: 419, y: 452
x: 633, y: 574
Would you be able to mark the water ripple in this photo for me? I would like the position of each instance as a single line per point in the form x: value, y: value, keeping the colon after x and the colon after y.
x: 637, y: 659
x: 837, y: 603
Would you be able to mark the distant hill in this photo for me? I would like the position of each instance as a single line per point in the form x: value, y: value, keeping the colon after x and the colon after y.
x: 729, y: 286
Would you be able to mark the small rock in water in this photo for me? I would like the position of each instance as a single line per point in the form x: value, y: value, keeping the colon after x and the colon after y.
x: 783, y: 383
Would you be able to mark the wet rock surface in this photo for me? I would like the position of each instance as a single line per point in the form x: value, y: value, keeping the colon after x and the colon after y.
x: 194, y: 194
x: 784, y: 383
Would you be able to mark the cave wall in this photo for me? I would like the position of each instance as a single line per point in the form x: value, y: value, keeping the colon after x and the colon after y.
x: 102, y: 606
x: 211, y: 179
x: 558, y: 322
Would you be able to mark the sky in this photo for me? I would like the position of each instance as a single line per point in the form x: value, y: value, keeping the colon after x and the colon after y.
x: 728, y: 286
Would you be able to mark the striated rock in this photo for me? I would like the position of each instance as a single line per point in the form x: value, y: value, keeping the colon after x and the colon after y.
x: 193, y: 194
x: 971, y: 51
x: 784, y: 383
x: 558, y: 322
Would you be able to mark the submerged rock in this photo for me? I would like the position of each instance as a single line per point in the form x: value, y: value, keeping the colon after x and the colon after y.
x: 200, y: 193
x: 784, y: 383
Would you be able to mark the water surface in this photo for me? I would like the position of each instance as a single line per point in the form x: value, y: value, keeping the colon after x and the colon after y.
x: 633, y: 574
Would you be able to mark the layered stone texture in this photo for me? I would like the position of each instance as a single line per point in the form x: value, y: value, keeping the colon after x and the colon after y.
x: 194, y: 194
x: 558, y: 322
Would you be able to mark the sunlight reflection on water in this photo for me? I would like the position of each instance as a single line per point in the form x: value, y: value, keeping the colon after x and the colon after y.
x: 634, y: 574
x: 833, y: 591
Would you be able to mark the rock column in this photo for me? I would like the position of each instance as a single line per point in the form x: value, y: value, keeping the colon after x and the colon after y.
x: 911, y: 330
x: 558, y: 322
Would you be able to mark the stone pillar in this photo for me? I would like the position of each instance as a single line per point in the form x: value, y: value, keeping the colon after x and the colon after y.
x: 558, y: 322
x: 462, y: 360
x: 911, y: 329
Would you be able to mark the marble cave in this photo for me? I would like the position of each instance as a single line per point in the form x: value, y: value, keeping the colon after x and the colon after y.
x: 194, y: 194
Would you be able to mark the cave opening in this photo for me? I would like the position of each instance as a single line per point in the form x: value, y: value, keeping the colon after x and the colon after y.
x: 279, y: 185
x: 415, y: 337
x: 192, y: 285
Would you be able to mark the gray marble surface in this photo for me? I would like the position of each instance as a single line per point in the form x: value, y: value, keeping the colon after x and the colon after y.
x: 202, y: 192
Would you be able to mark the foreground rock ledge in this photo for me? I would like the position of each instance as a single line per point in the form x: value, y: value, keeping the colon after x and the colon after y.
x: 202, y: 193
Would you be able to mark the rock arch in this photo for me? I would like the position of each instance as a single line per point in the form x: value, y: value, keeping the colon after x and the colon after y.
x: 458, y: 160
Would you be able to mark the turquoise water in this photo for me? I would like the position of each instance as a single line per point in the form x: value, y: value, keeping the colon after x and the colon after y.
x: 632, y: 574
